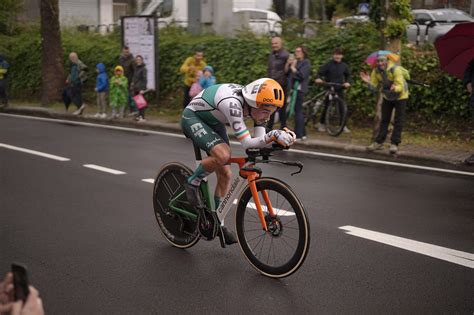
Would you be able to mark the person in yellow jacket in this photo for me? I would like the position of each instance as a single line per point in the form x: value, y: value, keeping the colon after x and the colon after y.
x: 190, y: 68
x: 389, y: 78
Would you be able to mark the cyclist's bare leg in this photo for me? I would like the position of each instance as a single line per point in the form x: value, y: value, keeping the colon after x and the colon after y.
x: 224, y: 175
x: 219, y: 156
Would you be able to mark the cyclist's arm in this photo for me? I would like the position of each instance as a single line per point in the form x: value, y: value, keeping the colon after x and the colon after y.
x: 232, y: 110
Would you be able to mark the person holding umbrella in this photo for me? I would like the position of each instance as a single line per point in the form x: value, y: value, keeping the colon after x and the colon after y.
x: 455, y: 51
x: 387, y: 76
x: 469, y: 82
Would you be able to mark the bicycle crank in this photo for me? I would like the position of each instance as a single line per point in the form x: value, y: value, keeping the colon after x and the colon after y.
x: 207, y: 225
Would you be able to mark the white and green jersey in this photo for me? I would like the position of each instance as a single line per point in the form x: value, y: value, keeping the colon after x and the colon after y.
x: 222, y: 104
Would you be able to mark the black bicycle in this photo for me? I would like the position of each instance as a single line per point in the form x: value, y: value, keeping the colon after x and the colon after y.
x: 336, y: 113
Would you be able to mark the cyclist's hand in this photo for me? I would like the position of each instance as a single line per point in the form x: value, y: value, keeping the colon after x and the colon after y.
x: 291, y: 133
x: 319, y: 81
x: 279, y: 136
x: 346, y: 85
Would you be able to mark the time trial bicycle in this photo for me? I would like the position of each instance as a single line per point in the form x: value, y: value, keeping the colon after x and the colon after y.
x: 272, y: 226
x: 336, y: 112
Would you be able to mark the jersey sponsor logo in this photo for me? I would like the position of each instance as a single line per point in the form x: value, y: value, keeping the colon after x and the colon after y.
x: 255, y: 89
x: 196, y: 104
x: 235, y: 110
x: 211, y: 143
x: 236, y: 126
x: 198, y: 130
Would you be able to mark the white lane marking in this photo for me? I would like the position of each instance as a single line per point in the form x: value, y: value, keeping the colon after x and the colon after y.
x: 96, y: 125
x: 149, y: 180
x: 443, y: 253
x: 342, y: 157
x: 42, y: 154
x: 104, y: 169
x: 279, y: 212
x: 353, y: 158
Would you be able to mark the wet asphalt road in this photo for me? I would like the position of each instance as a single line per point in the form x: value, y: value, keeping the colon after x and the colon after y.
x: 92, y: 244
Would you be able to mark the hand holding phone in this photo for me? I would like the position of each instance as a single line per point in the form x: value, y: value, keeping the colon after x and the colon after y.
x: 20, y: 282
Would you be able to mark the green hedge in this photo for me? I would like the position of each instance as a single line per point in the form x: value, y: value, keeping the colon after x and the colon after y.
x: 243, y: 59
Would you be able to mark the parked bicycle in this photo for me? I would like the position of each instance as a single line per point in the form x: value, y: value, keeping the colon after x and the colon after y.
x: 273, y: 233
x: 336, y: 113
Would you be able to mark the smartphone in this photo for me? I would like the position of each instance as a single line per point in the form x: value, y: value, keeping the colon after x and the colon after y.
x: 292, y: 56
x: 20, y: 282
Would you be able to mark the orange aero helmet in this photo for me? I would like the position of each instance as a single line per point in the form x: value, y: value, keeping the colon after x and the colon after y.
x: 263, y: 91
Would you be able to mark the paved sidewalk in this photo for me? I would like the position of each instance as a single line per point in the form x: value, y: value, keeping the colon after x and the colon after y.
x: 412, y: 154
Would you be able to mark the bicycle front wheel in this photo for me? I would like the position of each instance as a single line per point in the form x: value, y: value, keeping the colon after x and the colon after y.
x: 282, y: 249
x: 180, y: 230
x: 336, y: 116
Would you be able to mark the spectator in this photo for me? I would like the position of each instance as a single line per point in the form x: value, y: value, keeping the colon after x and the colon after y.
x: 75, y: 80
x: 196, y: 87
x: 389, y: 78
x: 118, y: 92
x: 33, y: 304
x: 127, y: 61
x: 101, y: 87
x: 276, y: 70
x: 334, y: 71
x: 469, y: 82
x: 207, y: 79
x: 190, y: 68
x: 139, y: 83
x: 299, y: 71
x: 3, y: 80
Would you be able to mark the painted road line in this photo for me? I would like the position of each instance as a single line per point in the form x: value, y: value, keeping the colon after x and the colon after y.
x: 373, y: 161
x: 279, y: 212
x: 104, y: 169
x: 38, y: 153
x: 149, y: 180
x: 65, y: 121
x: 443, y: 253
x: 313, y: 153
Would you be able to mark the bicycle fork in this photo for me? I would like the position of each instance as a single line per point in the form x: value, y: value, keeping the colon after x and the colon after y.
x: 252, y: 176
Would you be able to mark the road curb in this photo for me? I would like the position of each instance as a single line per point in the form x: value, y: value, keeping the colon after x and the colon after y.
x: 433, y: 160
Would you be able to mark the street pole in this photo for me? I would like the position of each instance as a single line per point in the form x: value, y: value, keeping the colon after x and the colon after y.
x: 472, y: 8
x: 323, y: 10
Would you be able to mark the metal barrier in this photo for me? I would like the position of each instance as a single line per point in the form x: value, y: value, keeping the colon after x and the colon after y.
x: 417, y: 32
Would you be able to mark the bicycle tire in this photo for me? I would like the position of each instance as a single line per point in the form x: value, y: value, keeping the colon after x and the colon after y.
x: 247, y: 222
x: 177, y: 229
x: 336, y: 116
x: 307, y: 112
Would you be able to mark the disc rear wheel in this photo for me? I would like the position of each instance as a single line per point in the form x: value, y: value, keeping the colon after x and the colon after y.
x: 180, y: 230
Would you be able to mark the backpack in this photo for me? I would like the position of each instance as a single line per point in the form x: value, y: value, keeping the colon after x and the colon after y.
x: 405, y: 72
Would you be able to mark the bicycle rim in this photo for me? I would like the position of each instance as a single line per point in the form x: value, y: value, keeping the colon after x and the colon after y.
x: 281, y: 250
x: 179, y: 230
x: 336, y: 116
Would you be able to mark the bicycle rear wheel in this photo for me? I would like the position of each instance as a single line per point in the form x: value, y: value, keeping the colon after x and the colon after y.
x: 336, y: 116
x: 281, y: 250
x: 178, y: 229
x: 308, y: 113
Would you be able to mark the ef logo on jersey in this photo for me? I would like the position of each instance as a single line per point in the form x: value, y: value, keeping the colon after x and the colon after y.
x: 198, y: 130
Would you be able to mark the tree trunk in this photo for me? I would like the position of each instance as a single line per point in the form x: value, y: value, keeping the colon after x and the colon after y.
x: 52, y: 53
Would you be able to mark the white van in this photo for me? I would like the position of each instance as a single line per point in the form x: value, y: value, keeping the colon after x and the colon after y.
x: 262, y: 22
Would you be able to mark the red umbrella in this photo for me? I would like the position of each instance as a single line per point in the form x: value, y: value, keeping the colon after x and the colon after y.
x: 456, y: 48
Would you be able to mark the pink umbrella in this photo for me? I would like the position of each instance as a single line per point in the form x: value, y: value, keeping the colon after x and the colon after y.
x: 456, y: 48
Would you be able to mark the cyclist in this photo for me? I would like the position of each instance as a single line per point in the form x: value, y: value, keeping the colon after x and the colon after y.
x: 334, y: 71
x: 205, y: 118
